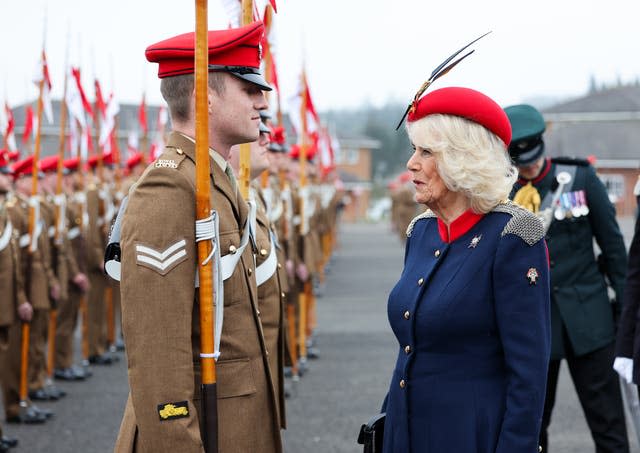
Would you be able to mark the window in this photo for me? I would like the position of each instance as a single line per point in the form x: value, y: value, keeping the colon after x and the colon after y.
x: 614, y: 182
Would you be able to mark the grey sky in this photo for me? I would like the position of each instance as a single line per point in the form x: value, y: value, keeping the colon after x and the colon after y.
x: 355, y: 51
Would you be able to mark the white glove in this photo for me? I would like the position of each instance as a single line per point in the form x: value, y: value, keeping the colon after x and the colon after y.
x: 624, y: 367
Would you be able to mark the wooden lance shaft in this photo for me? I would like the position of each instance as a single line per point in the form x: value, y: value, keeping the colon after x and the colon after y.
x: 244, y: 172
x: 209, y: 412
x: 32, y: 228
x: 303, y: 297
x: 58, y: 236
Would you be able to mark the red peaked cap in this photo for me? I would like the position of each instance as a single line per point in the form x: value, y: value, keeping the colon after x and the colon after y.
x: 49, y: 164
x: 23, y: 167
x: 107, y: 159
x: 5, y: 159
x: 228, y: 49
x: 72, y: 163
x: 278, y: 135
x: 466, y: 103
x: 294, y: 152
x: 134, y: 159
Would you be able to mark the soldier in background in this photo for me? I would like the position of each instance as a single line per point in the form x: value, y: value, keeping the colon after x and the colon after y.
x: 34, y: 272
x: 575, y: 208
x: 270, y: 274
x: 97, y: 207
x: 14, y: 306
x: 407, y: 208
x: 44, y: 286
x: 77, y: 221
x: 627, y: 362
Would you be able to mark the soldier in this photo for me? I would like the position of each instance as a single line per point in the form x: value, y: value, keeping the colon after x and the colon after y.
x: 627, y: 362
x: 14, y: 306
x: 407, y: 208
x: 66, y: 269
x: 160, y: 311
x: 44, y: 286
x: 575, y: 208
x: 33, y: 272
x: 270, y: 274
x: 98, y: 203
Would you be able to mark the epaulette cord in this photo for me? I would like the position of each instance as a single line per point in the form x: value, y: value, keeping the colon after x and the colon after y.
x: 524, y: 224
x: 425, y: 215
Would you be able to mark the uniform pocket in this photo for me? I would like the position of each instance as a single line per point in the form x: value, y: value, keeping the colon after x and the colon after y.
x: 235, y: 378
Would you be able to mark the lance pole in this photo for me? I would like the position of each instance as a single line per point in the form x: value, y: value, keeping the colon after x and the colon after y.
x: 244, y: 172
x: 32, y: 247
x: 209, y: 412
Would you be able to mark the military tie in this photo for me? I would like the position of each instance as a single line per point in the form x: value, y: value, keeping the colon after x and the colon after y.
x: 232, y: 177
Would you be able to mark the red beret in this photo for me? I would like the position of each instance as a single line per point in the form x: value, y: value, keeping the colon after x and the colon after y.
x: 278, y: 135
x: 236, y: 50
x: 107, y: 159
x: 133, y: 160
x: 72, y: 163
x: 49, y: 163
x: 23, y: 167
x: 466, y: 103
x: 294, y: 152
x: 4, y: 161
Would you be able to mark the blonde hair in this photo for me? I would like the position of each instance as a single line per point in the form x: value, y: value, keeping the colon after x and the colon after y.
x: 470, y: 159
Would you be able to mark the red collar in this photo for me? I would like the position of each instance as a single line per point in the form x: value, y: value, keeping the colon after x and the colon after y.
x: 545, y: 171
x: 459, y: 226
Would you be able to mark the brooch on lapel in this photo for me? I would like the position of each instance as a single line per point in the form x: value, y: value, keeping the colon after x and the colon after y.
x: 474, y: 241
x: 532, y: 276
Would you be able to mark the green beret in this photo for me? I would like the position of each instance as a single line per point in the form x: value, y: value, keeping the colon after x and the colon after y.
x: 526, y: 122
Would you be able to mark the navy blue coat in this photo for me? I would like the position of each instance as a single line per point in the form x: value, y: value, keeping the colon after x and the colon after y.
x: 472, y: 322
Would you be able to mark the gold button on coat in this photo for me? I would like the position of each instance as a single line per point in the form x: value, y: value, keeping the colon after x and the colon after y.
x: 232, y: 249
x: 279, y: 266
x: 249, y: 271
x: 282, y: 294
x: 407, y: 314
x: 407, y: 349
x: 436, y: 253
x: 263, y: 252
x: 402, y: 384
x: 421, y: 281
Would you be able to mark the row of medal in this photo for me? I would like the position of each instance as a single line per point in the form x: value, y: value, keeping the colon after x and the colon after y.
x: 571, y: 204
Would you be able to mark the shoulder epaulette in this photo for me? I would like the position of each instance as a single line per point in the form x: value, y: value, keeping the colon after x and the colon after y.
x: 523, y: 223
x: 570, y: 161
x: 425, y: 215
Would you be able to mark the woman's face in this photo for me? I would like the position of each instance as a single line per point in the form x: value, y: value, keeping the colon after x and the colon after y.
x: 430, y: 188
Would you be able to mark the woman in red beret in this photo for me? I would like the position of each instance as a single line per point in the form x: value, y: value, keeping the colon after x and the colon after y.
x: 471, y: 309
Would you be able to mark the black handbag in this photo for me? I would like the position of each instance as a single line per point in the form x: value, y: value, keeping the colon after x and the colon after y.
x: 372, y: 433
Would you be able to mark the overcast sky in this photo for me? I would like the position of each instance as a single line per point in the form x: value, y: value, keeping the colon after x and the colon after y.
x: 356, y: 51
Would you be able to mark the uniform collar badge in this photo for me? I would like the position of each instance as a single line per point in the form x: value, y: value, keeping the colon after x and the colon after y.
x: 474, y: 242
x: 532, y: 276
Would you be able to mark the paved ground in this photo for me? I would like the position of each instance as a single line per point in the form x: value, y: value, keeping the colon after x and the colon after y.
x: 342, y: 390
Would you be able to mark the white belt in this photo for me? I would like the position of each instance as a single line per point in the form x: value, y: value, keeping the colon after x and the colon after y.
x: 25, y: 239
x: 6, y: 235
x: 229, y: 262
x: 268, y: 268
x: 73, y: 233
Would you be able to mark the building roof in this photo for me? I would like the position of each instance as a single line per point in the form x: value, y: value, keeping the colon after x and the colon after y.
x: 605, y: 124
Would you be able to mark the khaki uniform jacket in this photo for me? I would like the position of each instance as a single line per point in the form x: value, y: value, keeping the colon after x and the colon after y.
x: 37, y: 272
x: 11, y: 281
x: 96, y: 240
x: 271, y: 297
x: 160, y: 317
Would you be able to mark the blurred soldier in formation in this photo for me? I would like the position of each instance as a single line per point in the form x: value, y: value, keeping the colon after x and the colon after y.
x: 403, y: 205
